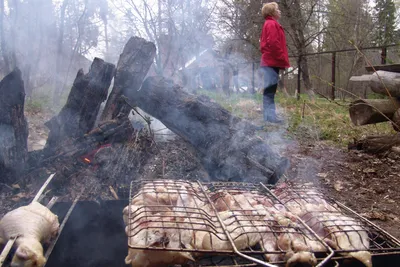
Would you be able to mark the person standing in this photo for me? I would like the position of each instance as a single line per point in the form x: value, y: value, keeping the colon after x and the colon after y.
x: 274, y: 57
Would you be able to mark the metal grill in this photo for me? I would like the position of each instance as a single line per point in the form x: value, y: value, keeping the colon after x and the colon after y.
x: 344, y: 230
x: 241, y: 222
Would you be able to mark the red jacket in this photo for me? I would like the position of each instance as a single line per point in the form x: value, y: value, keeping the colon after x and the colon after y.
x: 273, y: 45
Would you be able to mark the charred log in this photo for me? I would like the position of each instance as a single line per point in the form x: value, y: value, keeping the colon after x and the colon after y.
x: 13, y: 127
x: 226, y: 144
x: 118, y: 130
x: 369, y: 111
x: 133, y: 65
x: 78, y: 115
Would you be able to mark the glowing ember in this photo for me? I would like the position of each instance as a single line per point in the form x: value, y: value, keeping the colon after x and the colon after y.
x: 87, y: 160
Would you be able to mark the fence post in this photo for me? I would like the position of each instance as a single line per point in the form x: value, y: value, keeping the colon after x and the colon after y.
x: 383, y: 55
x: 252, y: 78
x: 298, y: 77
x: 333, y: 75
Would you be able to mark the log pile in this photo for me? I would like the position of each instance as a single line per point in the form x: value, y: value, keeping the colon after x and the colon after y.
x: 226, y: 145
x: 386, y: 82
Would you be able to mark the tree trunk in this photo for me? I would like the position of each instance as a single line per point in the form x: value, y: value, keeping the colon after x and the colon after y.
x: 58, y: 83
x: 13, y: 127
x: 133, y: 65
x: 78, y: 115
x: 292, y: 10
x: 227, y: 145
x: 369, y: 111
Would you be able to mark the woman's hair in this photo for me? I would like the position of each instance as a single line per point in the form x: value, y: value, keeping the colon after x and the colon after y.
x: 269, y: 9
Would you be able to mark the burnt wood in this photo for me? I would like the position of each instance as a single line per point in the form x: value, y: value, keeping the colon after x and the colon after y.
x: 132, y: 68
x: 227, y: 145
x: 13, y: 127
x: 78, y: 115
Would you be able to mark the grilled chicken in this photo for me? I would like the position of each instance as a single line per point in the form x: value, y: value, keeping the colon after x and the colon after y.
x: 339, y: 231
x: 168, y: 224
x: 34, y: 224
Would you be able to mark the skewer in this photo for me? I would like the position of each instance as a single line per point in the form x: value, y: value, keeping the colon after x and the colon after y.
x: 7, y: 249
x: 41, y: 190
x: 52, y: 245
x: 51, y: 203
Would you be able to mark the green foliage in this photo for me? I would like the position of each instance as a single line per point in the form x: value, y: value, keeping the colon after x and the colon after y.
x: 386, y: 22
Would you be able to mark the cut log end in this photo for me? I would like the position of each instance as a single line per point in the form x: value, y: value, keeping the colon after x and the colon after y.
x: 370, y: 111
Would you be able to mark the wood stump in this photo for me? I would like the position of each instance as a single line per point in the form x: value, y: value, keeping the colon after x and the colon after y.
x: 78, y: 115
x: 13, y: 127
x: 132, y: 68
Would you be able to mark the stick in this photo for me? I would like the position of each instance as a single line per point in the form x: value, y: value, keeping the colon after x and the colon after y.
x: 52, y: 245
x: 7, y: 249
x: 43, y: 188
x: 113, y: 193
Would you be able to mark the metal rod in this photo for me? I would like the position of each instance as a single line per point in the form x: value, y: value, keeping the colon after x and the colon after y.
x: 369, y: 222
x: 383, y: 55
x: 298, y: 77
x: 263, y: 263
x: 7, y: 249
x: 40, y: 192
x: 52, y: 245
x: 333, y: 76
x: 52, y: 202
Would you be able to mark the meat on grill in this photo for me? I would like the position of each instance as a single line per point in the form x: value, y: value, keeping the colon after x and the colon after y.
x: 163, y: 223
x: 34, y: 224
x: 339, y: 231
x: 256, y: 223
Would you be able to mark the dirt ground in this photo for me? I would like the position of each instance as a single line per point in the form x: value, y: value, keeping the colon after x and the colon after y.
x: 366, y: 183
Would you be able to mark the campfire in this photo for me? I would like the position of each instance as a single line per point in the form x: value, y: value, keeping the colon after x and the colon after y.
x: 236, y: 214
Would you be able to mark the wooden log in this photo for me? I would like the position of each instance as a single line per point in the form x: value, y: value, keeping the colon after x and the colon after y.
x: 391, y: 67
x: 78, y: 115
x: 396, y: 120
x: 382, y: 82
x: 13, y: 127
x: 133, y: 65
x: 227, y: 145
x: 377, y: 144
x: 369, y: 111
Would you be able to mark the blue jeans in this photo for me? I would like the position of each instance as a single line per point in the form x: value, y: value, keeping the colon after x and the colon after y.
x: 270, y: 84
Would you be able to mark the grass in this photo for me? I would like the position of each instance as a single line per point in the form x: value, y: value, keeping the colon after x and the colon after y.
x: 323, y: 119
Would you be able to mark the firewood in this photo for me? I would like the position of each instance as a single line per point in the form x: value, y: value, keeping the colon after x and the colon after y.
x: 225, y: 143
x: 369, y: 111
x: 377, y: 144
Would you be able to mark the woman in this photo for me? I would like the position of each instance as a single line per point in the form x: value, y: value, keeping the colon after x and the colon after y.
x: 274, y: 57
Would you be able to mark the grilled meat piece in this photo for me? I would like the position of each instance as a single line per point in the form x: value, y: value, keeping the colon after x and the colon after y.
x: 338, y: 230
x: 34, y: 224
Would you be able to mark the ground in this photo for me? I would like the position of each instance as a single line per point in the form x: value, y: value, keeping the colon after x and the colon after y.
x: 366, y: 183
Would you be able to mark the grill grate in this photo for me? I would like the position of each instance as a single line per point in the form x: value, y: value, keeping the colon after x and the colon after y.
x: 243, y: 219
x: 243, y: 224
